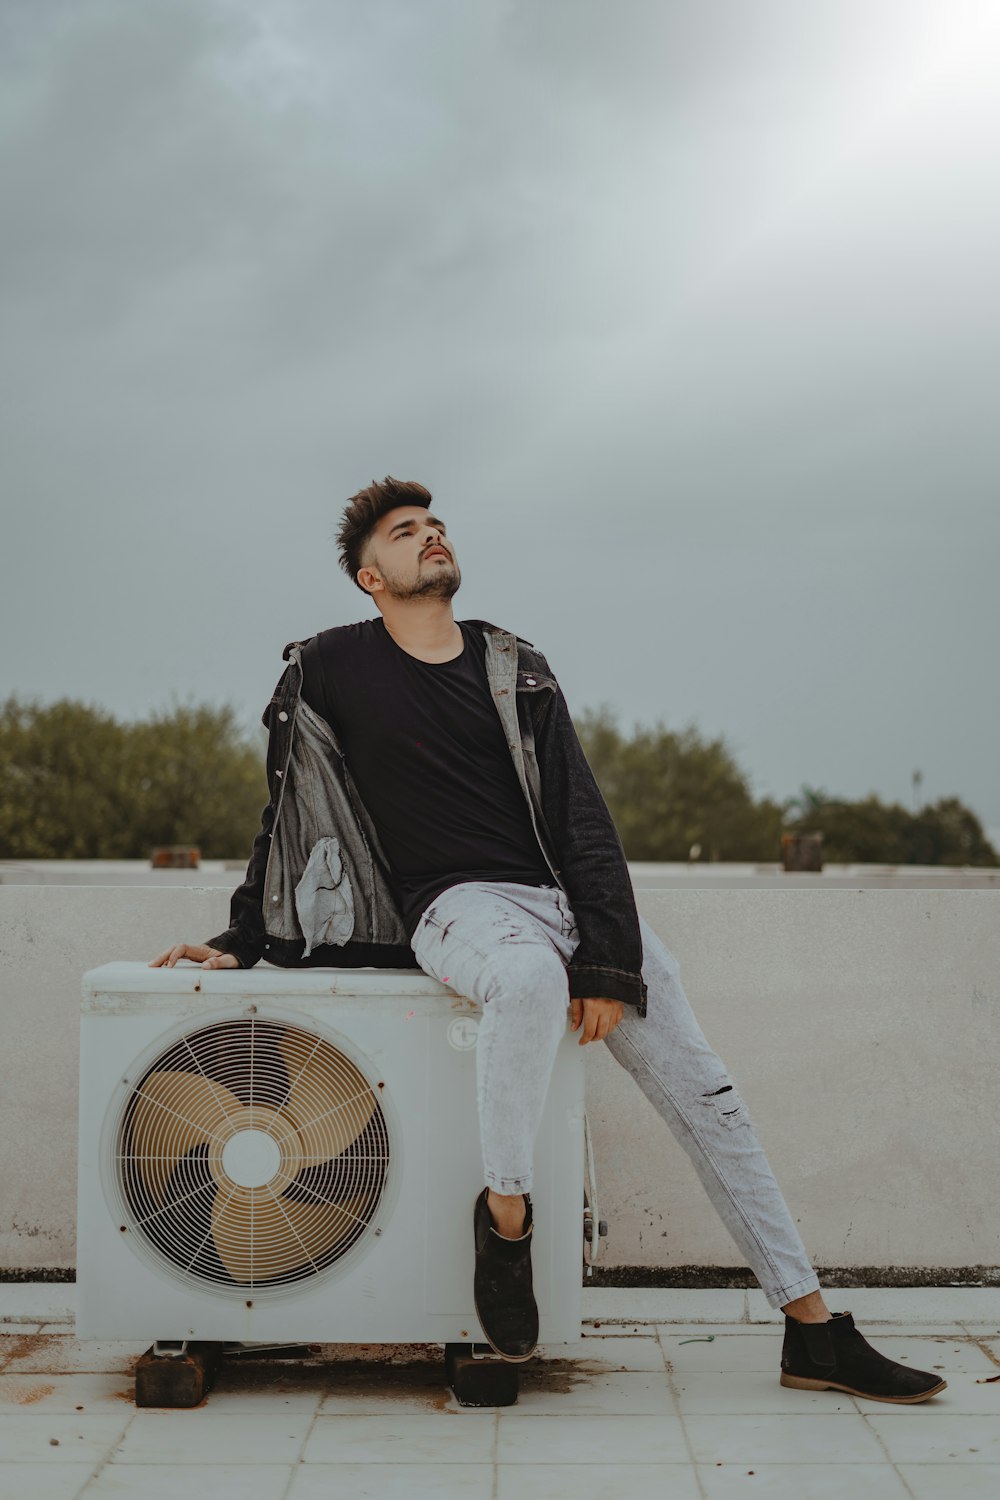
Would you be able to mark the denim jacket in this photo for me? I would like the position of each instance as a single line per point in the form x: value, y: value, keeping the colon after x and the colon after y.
x: 318, y: 889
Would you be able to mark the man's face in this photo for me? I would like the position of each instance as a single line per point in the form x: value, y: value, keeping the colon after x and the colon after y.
x: 410, y: 552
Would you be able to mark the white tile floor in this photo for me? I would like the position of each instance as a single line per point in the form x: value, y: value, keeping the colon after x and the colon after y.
x: 667, y: 1394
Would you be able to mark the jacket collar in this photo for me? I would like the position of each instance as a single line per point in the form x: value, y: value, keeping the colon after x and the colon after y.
x: 503, y: 639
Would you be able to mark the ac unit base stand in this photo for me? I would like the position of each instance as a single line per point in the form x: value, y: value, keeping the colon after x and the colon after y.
x: 182, y: 1378
x: 480, y: 1378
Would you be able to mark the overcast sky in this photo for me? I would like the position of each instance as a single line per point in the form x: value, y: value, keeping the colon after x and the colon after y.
x: 686, y: 312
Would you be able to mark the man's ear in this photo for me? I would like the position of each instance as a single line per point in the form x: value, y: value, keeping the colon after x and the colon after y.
x: 370, y: 580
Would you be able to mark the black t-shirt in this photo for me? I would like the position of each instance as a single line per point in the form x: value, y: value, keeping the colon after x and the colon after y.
x: 429, y: 755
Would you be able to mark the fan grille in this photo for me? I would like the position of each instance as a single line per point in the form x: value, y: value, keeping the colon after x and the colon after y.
x: 252, y: 1153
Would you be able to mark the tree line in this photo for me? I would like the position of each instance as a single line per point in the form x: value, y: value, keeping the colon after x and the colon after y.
x: 77, y: 783
x: 673, y: 791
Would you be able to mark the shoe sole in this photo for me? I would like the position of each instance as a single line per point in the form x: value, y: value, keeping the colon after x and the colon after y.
x: 512, y: 1359
x: 803, y: 1383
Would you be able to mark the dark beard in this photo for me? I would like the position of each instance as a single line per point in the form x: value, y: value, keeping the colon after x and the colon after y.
x: 441, y: 583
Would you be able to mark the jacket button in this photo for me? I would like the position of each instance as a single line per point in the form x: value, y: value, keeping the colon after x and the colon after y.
x: 274, y: 898
x: 530, y: 681
x: 282, y: 716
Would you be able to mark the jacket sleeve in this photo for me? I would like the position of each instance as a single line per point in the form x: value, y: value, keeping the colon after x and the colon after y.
x: 607, y: 963
x: 244, y: 937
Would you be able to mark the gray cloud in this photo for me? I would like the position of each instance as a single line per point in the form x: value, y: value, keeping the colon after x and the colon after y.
x: 685, y: 312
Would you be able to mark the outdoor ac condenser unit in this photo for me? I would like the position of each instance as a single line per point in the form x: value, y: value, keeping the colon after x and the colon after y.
x: 293, y: 1155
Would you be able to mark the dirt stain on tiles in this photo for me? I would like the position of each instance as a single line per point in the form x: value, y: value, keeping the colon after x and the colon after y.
x: 22, y: 1393
x: 23, y: 1344
x: 388, y: 1383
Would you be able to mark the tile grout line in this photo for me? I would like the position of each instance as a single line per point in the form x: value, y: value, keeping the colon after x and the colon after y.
x: 296, y: 1464
x: 982, y: 1343
x: 669, y: 1370
x: 495, y: 1465
x: 97, y: 1470
x: 864, y: 1415
x: 109, y: 1454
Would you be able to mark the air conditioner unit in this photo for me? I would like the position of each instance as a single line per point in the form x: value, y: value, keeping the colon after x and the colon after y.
x: 273, y: 1155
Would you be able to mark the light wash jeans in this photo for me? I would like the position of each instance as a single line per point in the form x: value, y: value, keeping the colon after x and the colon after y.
x: 507, y: 945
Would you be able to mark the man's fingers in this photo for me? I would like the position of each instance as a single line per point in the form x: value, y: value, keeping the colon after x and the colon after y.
x: 614, y: 1019
x: 576, y: 1010
x: 209, y: 958
x: 600, y: 1017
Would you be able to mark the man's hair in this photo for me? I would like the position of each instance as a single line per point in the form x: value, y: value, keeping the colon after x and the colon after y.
x: 363, y: 512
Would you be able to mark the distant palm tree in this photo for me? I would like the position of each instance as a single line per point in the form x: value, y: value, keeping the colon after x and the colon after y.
x: 810, y: 800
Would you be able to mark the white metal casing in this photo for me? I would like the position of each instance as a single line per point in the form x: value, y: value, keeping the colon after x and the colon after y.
x: 412, y: 1281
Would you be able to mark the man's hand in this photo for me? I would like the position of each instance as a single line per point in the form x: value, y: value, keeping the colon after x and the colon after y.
x: 209, y: 958
x: 599, y: 1017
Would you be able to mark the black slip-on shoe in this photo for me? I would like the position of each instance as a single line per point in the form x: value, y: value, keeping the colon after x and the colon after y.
x: 505, y: 1302
x: 834, y: 1356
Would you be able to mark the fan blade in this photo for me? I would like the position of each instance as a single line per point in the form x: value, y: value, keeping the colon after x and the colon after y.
x: 183, y: 1229
x: 259, y: 1237
x: 175, y: 1112
x: 330, y: 1101
x: 363, y: 1165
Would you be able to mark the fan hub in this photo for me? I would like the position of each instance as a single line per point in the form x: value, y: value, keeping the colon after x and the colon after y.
x: 250, y: 1158
x: 280, y: 1148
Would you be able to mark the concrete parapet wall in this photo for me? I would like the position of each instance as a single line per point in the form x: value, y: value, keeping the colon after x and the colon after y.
x: 862, y: 1027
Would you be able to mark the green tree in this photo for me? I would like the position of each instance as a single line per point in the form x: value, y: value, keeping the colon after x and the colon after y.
x: 670, y: 790
x: 870, y: 831
x: 62, y: 781
x: 77, y: 784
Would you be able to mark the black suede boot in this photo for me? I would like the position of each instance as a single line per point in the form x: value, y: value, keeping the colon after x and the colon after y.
x: 505, y: 1302
x: 834, y: 1356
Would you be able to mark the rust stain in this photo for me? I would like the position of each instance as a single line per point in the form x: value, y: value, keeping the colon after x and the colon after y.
x: 23, y: 1344
x: 558, y: 1376
x: 24, y: 1395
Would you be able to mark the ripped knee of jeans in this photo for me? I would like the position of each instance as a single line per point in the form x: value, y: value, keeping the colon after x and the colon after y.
x: 728, y: 1104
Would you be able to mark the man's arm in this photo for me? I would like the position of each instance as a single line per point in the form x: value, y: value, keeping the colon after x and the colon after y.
x: 607, y: 963
x: 244, y: 937
x: 242, y: 943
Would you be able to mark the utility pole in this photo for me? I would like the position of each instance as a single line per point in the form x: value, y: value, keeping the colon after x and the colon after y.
x: 918, y: 781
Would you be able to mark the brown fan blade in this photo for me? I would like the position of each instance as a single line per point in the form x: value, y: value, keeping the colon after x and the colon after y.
x: 259, y: 1236
x: 330, y: 1100
x: 175, y: 1112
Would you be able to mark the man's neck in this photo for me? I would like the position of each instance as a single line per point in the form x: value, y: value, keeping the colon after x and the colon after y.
x: 425, y: 629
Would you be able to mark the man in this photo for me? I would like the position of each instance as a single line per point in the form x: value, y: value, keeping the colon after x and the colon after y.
x: 431, y: 806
